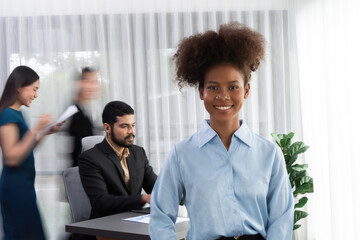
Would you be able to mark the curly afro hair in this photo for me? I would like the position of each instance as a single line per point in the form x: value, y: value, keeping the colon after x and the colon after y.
x: 235, y: 44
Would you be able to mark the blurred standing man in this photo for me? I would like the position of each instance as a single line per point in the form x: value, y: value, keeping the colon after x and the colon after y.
x: 80, y: 125
x: 114, y: 172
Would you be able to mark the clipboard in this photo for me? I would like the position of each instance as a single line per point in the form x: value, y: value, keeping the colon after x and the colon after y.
x: 71, y: 110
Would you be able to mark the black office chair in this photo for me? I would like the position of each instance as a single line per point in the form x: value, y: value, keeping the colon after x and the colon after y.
x: 78, y: 200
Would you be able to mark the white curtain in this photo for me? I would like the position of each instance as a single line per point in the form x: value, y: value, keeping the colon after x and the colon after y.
x: 132, y: 43
x: 328, y: 40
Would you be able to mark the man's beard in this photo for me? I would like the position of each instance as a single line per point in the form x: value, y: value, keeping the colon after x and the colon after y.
x: 121, y: 143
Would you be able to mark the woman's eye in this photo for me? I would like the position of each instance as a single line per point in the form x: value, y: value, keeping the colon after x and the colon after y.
x: 212, y: 88
x: 233, y: 87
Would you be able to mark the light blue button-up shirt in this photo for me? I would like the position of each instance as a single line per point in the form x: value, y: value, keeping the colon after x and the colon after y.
x: 244, y: 190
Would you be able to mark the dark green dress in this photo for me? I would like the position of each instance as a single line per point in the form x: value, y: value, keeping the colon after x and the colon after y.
x: 21, y: 218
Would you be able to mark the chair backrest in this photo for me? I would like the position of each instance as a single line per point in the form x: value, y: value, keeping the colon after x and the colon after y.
x: 78, y: 200
x: 89, y: 142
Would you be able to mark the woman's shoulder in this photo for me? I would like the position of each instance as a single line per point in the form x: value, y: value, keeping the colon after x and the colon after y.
x: 187, y: 143
x: 9, y: 115
x: 262, y: 142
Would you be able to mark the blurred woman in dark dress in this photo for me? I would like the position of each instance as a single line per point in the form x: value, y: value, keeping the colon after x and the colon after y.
x: 21, y: 218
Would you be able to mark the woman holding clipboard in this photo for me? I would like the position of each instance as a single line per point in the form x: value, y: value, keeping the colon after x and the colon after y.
x: 21, y: 218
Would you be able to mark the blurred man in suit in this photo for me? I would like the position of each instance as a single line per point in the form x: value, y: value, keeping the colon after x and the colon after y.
x: 115, y: 171
x: 81, y: 125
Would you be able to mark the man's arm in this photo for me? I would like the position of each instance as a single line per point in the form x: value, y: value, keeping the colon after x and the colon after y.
x: 149, y: 175
x: 95, y: 187
x: 280, y: 202
x: 165, y: 200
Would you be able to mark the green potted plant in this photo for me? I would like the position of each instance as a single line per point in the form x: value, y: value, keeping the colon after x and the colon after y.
x: 301, y: 182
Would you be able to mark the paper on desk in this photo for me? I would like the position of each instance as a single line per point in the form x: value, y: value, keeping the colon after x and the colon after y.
x: 146, y: 219
x: 71, y: 110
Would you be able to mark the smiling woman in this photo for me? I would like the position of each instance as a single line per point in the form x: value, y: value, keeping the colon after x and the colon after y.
x: 223, y: 94
x: 250, y: 196
x: 28, y: 94
x: 21, y: 218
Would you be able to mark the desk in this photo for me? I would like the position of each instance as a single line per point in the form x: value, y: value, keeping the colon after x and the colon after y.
x: 113, y: 227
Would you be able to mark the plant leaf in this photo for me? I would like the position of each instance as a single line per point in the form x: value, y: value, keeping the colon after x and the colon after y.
x: 299, y: 181
x: 296, y: 148
x: 302, y: 150
x: 295, y: 175
x: 301, y: 202
x: 291, y: 160
x: 299, y: 167
x: 296, y: 226
x: 290, y: 135
x: 276, y: 137
x: 305, y: 179
x: 288, y: 163
x: 295, y: 178
x: 281, y: 136
x: 285, y: 142
x: 299, y: 215
x: 305, y: 188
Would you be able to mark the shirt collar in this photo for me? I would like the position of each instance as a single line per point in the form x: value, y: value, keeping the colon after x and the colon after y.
x: 206, y: 133
x: 125, y: 151
x: 244, y: 133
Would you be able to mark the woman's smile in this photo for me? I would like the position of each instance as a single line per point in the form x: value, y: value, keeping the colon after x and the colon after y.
x: 223, y: 107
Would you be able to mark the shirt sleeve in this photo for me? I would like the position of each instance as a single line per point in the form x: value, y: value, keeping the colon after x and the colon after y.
x: 165, y: 199
x: 149, y: 175
x: 8, y: 116
x: 280, y: 202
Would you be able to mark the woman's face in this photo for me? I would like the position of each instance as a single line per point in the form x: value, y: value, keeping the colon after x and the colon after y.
x: 224, y: 93
x: 28, y: 93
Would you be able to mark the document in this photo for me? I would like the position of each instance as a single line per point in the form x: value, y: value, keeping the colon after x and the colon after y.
x: 146, y: 219
x: 71, y: 110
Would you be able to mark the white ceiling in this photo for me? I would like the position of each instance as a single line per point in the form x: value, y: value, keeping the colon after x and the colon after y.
x: 83, y: 7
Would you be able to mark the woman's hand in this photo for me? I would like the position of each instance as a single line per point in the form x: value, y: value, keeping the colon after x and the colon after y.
x: 42, y: 123
x: 55, y: 128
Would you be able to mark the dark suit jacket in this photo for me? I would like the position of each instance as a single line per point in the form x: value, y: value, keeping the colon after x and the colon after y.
x: 80, y: 127
x: 103, y: 179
